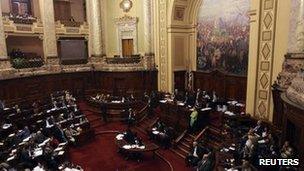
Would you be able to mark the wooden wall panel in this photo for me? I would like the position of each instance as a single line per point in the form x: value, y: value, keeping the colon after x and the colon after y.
x: 19, y: 89
x: 227, y: 86
x: 179, y: 80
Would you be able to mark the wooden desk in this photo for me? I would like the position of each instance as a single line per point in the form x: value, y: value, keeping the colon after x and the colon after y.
x: 151, y: 147
x: 178, y: 117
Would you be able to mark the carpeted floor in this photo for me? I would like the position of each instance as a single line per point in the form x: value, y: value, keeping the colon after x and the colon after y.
x: 101, y: 153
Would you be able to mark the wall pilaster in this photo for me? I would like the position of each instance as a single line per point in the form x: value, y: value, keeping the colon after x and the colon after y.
x: 3, y: 49
x: 94, y: 19
x: 266, y: 44
x: 147, y: 6
x: 161, y: 46
x: 49, y: 34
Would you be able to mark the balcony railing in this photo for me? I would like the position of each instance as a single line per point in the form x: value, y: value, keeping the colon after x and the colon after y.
x: 20, y: 19
x: 25, y: 60
x: 125, y: 60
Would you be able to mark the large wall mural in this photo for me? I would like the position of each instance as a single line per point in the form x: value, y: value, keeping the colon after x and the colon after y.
x: 223, y: 36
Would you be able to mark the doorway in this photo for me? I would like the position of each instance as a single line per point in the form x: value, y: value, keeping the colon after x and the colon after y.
x: 127, y: 47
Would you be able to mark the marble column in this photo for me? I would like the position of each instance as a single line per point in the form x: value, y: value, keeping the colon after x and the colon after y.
x: 3, y: 50
x: 300, y: 27
x: 4, y: 61
x: 49, y: 36
x: 148, y: 25
x: 163, y: 60
x: 94, y: 19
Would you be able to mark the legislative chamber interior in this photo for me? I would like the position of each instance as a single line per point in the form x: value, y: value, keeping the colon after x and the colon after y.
x: 146, y: 85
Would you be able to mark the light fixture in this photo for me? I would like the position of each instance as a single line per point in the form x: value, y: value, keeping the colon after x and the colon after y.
x: 126, y: 5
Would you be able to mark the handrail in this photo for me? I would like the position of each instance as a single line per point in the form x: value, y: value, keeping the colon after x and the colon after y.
x: 142, y: 111
x: 180, y: 137
x: 201, y: 134
x: 144, y: 108
x: 154, y: 122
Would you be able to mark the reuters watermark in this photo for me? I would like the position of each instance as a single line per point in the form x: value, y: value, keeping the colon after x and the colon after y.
x: 279, y: 162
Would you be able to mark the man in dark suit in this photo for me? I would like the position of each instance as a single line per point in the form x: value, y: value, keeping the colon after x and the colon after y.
x: 59, y: 134
x: 205, y: 164
x: 194, y: 156
x: 258, y: 129
x: 131, y: 117
x: 129, y: 136
x: 2, y: 105
x: 26, y: 159
x: 103, y: 109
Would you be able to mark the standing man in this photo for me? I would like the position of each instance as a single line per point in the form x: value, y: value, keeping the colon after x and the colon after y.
x: 2, y: 105
x: 103, y: 109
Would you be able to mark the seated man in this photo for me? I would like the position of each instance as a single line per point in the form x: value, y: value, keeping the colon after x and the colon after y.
x: 49, y: 122
x: 25, y: 158
x: 206, y: 164
x: 194, y: 156
x: 17, y: 108
x: 25, y: 132
x: 258, y: 129
x: 161, y: 133
x: 70, y: 134
x: 38, y: 137
x: 131, y: 98
x: 129, y: 136
x: 49, y: 158
x: 59, y: 134
x: 287, y: 151
x: 159, y: 126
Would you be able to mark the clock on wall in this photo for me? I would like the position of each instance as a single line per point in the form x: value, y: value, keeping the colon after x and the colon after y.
x: 126, y: 5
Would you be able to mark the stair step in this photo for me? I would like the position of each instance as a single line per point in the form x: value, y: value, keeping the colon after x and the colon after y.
x: 182, y: 149
x: 178, y: 153
x: 186, y: 145
x: 188, y: 139
x: 94, y: 120
x: 192, y: 136
x: 95, y: 124
x: 140, y: 130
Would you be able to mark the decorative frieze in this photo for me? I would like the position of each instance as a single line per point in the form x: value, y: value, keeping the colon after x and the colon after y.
x: 81, y: 30
x: 16, y: 28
